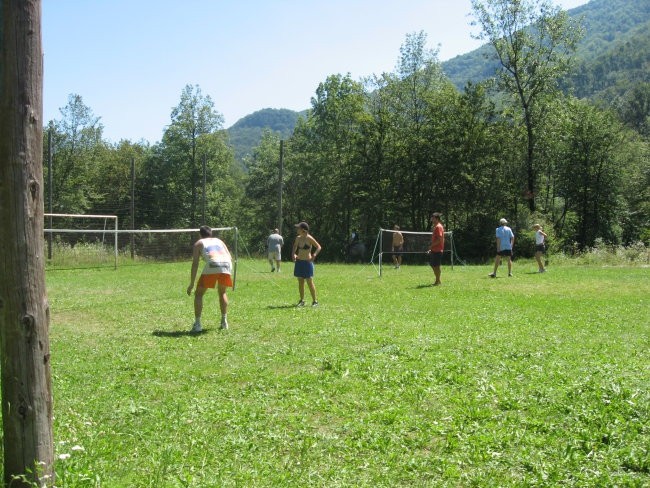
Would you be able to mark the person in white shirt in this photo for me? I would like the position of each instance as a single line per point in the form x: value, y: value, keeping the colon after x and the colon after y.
x: 540, y: 246
x: 216, y: 272
x: 274, y: 245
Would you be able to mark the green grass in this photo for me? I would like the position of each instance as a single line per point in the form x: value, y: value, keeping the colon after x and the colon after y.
x: 536, y: 380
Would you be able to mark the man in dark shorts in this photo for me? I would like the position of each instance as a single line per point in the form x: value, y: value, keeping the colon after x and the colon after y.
x: 505, y: 240
x: 437, y: 246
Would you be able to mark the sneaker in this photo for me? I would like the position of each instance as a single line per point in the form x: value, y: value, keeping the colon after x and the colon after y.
x: 542, y: 271
x: 301, y: 303
x: 509, y: 275
x: 224, y: 325
x: 492, y: 275
x: 196, y: 328
x: 314, y: 303
x: 272, y: 270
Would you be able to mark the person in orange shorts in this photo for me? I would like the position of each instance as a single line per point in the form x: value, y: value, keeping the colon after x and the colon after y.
x: 216, y: 272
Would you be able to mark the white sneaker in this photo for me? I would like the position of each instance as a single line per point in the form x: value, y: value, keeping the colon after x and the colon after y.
x: 197, y: 327
x: 301, y: 303
x: 224, y: 325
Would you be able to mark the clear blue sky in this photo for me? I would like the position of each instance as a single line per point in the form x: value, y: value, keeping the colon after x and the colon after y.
x: 130, y: 59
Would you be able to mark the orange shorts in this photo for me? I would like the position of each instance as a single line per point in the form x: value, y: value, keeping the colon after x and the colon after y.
x: 210, y: 280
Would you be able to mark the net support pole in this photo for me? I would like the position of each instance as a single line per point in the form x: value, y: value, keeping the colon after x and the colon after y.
x: 116, y: 226
x: 451, y: 248
x: 234, y: 279
x: 381, y: 248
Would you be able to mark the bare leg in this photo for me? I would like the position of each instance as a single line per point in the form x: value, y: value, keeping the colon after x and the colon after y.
x: 538, y: 257
x: 301, y: 288
x: 312, y: 289
x: 497, y: 262
x: 198, y: 302
x: 436, y: 272
x: 223, y: 299
x: 509, y: 265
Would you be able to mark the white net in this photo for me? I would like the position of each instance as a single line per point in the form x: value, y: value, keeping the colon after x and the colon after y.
x: 414, y: 248
x: 83, y: 241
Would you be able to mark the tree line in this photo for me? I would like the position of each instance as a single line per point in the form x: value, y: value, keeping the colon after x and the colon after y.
x: 390, y: 149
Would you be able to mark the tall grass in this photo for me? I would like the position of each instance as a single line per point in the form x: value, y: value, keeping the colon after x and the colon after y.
x: 535, y: 380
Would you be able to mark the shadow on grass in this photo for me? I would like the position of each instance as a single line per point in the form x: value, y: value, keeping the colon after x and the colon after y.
x: 178, y: 333
x: 428, y: 285
x: 281, y: 307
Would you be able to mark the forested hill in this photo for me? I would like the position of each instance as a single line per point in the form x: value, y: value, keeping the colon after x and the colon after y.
x: 611, y: 59
x: 613, y: 55
x: 246, y: 133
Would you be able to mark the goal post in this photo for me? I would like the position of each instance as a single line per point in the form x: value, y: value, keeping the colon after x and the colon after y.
x: 89, y: 234
x: 85, y: 240
x: 414, y: 243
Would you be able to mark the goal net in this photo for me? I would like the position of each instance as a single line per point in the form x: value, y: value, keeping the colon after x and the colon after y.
x: 414, y: 249
x: 89, y: 241
x: 77, y: 241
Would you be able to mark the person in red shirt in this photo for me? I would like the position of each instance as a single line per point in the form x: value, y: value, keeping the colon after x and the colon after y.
x: 437, y: 246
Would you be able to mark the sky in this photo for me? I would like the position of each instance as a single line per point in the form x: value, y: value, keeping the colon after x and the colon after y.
x: 129, y: 60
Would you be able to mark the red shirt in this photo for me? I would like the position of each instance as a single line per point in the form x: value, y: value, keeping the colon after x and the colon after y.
x: 438, y: 233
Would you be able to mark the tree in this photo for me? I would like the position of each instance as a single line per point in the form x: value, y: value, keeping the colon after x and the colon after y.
x: 533, y: 42
x: 195, y: 116
x: 77, y: 150
x: 261, y: 194
x: 593, y: 155
x: 413, y: 94
x: 24, y: 311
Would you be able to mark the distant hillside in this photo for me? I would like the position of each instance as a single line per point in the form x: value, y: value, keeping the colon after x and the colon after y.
x: 612, y: 58
x: 246, y: 133
x: 615, y: 50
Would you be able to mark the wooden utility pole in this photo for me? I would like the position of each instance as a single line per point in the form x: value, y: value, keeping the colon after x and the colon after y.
x: 24, y: 310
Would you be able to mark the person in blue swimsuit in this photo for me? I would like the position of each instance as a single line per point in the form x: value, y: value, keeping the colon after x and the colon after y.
x: 303, y: 258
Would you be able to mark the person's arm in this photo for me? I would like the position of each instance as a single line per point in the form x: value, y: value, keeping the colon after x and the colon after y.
x: 196, y: 256
x: 314, y: 243
x: 294, y: 256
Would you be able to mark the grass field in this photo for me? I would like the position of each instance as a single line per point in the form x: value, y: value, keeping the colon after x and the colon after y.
x: 535, y: 380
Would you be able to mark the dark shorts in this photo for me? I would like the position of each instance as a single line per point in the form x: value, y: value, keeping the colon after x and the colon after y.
x: 397, y: 251
x: 435, y: 259
x: 540, y: 248
x: 303, y: 269
x: 505, y: 252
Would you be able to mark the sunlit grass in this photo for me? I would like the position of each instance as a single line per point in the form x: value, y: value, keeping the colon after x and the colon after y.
x: 535, y: 380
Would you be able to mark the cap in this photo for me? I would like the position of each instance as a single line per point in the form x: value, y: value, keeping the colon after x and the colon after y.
x: 503, y: 221
x: 303, y: 225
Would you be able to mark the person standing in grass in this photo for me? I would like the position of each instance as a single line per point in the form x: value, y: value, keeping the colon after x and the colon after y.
x: 398, y: 247
x: 274, y: 245
x: 303, y: 258
x: 437, y: 246
x: 505, y: 245
x: 216, y: 272
x: 540, y: 246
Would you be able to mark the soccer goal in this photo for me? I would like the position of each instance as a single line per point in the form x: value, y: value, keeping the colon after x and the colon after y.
x: 414, y: 243
x: 90, y: 241
x: 75, y: 240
